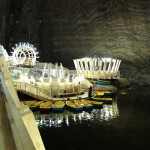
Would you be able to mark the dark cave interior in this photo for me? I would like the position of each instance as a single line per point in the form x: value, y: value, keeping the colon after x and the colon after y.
x: 67, y: 30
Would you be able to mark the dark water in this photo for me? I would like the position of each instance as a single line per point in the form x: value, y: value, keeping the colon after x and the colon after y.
x: 123, y: 125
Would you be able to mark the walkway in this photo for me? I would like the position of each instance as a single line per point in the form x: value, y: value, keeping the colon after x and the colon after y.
x: 43, y: 94
x: 6, y: 137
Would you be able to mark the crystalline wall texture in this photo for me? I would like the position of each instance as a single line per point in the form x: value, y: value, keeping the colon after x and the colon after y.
x: 64, y: 30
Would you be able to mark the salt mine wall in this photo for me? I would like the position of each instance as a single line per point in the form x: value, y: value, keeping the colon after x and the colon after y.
x: 63, y: 30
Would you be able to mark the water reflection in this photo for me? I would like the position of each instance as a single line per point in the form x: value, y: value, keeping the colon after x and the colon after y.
x: 67, y: 117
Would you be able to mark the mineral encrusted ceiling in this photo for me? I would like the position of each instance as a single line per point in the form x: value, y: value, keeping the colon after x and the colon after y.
x: 66, y: 29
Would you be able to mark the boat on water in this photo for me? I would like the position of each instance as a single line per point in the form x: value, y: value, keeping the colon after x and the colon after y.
x: 103, y: 82
x: 74, y: 106
x: 99, y: 93
x: 45, y: 107
x: 105, y: 100
x: 97, y: 104
x: 102, y: 93
x: 29, y: 102
x: 94, y: 103
x: 92, y: 81
x: 35, y: 106
x: 85, y: 105
x: 58, y: 106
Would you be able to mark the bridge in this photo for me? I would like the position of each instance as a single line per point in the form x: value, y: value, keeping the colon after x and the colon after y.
x: 33, y: 91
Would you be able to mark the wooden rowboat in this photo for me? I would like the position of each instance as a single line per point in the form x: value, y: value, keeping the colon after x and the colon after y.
x: 94, y: 103
x: 35, y: 106
x: 103, y: 82
x: 45, y: 107
x: 85, y: 105
x: 72, y: 105
x: 58, y: 106
x: 29, y: 102
x: 97, y: 104
x: 106, y: 100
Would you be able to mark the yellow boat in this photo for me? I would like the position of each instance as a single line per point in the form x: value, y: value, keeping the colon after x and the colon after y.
x: 29, y: 102
x: 72, y: 105
x: 58, y: 106
x: 35, y: 106
x: 85, y: 105
x: 105, y: 100
x: 45, y: 107
x: 79, y: 103
x: 94, y: 103
x: 100, y: 93
x: 87, y: 101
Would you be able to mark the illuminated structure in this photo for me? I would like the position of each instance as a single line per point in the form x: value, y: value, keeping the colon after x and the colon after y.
x: 98, y: 68
x: 50, y: 81
x: 46, y: 80
x: 24, y: 55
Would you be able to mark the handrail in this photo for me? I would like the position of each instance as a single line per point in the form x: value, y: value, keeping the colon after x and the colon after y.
x: 33, y: 90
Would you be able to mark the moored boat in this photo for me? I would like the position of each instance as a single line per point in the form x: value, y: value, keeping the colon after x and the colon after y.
x: 79, y: 103
x: 85, y: 105
x: 87, y: 101
x: 103, y: 82
x: 58, y: 106
x: 92, y: 81
x: 100, y: 82
x: 45, y: 107
x: 94, y: 103
x: 35, y: 106
x: 72, y: 105
x: 97, y: 104
x: 102, y: 93
x: 106, y: 100
x: 29, y: 102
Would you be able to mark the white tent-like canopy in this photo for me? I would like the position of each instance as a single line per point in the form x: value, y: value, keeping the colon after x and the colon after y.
x: 98, y: 68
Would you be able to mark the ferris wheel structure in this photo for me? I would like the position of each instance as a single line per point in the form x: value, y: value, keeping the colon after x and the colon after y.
x: 24, y: 54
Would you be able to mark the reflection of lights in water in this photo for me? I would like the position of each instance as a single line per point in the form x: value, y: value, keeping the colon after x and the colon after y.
x: 74, y: 118
x: 109, y: 111
x: 88, y: 116
x: 80, y: 117
x: 123, y: 93
x: 59, y: 121
x: 56, y: 119
x: 67, y: 121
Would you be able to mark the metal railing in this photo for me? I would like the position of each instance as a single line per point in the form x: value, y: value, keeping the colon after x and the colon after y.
x: 33, y: 90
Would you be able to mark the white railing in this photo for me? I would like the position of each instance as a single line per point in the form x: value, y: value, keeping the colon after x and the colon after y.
x: 33, y: 90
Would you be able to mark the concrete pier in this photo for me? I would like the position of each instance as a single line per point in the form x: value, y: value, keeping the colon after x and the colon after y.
x: 16, y: 119
x: 6, y: 136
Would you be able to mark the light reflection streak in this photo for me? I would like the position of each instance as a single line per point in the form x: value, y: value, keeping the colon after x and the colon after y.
x: 107, y: 113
